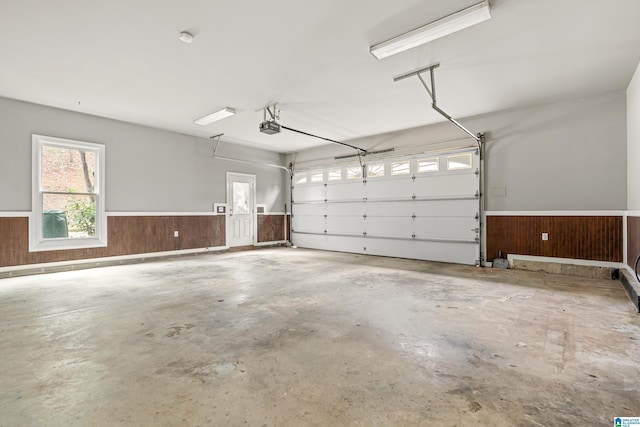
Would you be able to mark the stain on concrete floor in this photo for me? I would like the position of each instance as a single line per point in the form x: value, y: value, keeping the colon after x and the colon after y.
x: 292, y: 337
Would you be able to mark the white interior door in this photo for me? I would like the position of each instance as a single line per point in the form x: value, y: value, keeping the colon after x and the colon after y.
x: 241, y: 209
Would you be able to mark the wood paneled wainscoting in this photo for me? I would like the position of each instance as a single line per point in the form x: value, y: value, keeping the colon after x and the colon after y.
x: 272, y: 227
x: 127, y: 235
x: 595, y: 237
x: 633, y: 239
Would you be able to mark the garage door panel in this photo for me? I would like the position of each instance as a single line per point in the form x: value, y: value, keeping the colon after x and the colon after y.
x: 308, y: 192
x: 310, y: 209
x: 446, y: 228
x: 460, y: 253
x: 446, y: 185
x: 379, y: 188
x: 389, y: 226
x: 341, y: 224
x: 331, y: 243
x: 345, y: 191
x: 349, y: 209
x: 308, y: 223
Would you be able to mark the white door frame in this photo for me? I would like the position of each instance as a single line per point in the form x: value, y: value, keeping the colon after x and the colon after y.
x: 230, y: 207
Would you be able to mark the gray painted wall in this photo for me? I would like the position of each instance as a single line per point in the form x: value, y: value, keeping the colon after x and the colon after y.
x: 561, y: 156
x: 147, y: 170
x: 633, y: 142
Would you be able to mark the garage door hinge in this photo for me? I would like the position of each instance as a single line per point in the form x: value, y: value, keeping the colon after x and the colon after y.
x: 413, y: 216
x: 477, y: 239
x: 476, y: 218
x: 413, y: 197
x: 475, y: 230
x: 364, y: 233
x: 325, y: 215
x: 477, y: 194
x: 413, y: 236
x: 477, y: 172
x: 364, y: 216
x: 364, y: 199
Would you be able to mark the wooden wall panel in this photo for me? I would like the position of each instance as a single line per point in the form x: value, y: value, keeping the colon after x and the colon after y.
x: 597, y: 238
x: 633, y: 239
x: 127, y: 235
x: 271, y: 228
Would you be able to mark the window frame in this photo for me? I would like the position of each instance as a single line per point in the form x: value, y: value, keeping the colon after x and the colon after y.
x: 36, y: 240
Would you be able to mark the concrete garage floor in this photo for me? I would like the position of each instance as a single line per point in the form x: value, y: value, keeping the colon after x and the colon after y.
x: 293, y: 337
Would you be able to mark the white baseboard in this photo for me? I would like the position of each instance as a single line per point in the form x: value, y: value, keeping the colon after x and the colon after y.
x: 585, y: 262
x: 110, y: 259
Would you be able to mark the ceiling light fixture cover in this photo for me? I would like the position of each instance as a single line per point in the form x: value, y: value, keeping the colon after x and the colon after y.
x: 185, y: 37
x: 214, y: 117
x: 442, y: 27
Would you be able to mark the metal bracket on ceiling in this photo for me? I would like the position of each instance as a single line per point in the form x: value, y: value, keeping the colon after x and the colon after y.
x: 432, y: 93
x: 216, y: 142
x: 274, y: 113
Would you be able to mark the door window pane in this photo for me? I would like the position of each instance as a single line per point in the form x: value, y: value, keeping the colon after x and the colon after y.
x: 241, y: 197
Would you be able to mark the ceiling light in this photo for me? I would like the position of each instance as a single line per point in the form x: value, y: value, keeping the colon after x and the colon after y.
x: 442, y: 27
x: 214, y: 117
x: 185, y: 37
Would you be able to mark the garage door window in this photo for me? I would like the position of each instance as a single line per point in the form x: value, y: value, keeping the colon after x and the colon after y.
x: 459, y: 161
x: 428, y: 165
x: 354, y: 172
x: 334, y: 174
x: 401, y: 168
x: 316, y: 176
x: 375, y: 170
x: 68, y: 195
x: 300, y: 178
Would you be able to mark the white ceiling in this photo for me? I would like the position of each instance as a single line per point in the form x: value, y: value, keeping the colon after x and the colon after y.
x: 123, y: 60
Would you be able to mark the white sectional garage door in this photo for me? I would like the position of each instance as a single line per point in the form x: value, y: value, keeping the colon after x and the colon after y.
x: 425, y: 207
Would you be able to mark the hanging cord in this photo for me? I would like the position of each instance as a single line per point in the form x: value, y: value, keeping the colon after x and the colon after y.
x: 635, y: 268
x: 359, y: 150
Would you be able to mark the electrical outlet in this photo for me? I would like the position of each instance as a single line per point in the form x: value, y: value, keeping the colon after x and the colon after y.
x: 545, y: 236
x: 176, y: 233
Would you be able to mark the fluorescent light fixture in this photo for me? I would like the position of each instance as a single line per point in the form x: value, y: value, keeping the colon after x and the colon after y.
x: 442, y: 27
x: 214, y: 117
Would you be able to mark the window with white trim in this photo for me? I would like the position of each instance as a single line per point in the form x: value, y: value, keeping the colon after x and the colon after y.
x: 401, y: 168
x: 68, y: 201
x: 428, y: 165
x: 334, y: 174
x: 354, y: 172
x: 459, y: 161
x: 316, y: 176
x: 375, y: 170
